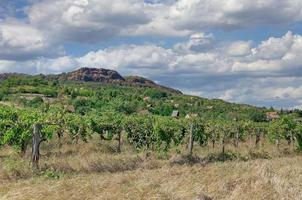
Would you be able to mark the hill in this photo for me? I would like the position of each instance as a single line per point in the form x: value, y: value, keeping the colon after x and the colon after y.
x: 97, y: 75
x: 89, y: 89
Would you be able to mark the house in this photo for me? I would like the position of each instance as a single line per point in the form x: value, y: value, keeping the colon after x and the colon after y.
x: 175, y: 113
x: 176, y: 105
x: 272, y: 116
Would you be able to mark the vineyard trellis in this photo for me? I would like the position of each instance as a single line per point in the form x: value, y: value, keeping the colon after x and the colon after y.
x: 20, y: 127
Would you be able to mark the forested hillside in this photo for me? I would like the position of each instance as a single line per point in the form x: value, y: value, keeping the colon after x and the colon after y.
x: 92, y: 92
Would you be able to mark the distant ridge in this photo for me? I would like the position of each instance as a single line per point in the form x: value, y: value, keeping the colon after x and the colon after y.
x: 99, y: 75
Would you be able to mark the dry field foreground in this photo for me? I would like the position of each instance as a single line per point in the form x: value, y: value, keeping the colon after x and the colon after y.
x: 93, y: 173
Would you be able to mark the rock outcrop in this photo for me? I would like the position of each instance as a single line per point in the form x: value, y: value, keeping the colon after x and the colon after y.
x: 92, y: 75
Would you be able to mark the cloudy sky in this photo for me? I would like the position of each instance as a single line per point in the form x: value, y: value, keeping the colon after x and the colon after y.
x: 247, y: 51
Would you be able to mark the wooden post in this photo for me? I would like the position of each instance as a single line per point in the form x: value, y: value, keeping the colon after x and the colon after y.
x: 119, y: 147
x: 23, y: 148
x: 223, y: 143
x: 237, y: 138
x: 277, y: 144
x: 237, y: 133
x: 36, y: 141
x: 60, y: 135
x: 290, y: 140
x: 191, y: 140
x: 262, y: 139
x: 250, y: 140
x: 258, y: 139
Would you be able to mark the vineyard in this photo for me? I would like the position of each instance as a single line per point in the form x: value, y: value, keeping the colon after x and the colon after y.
x: 21, y: 127
x: 39, y: 118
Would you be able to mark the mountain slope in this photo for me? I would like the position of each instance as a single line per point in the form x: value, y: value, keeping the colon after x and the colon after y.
x: 98, y: 75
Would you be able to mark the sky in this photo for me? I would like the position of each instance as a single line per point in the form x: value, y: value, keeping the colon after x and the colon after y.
x: 243, y: 51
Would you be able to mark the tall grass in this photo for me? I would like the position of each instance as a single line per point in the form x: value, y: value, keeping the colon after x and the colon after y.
x: 95, y: 170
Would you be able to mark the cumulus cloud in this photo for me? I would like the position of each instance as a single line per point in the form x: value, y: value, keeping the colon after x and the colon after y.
x: 197, y: 15
x: 53, y: 22
x: 275, y: 48
x: 198, y: 42
x: 137, y: 59
x: 274, y: 56
x: 98, y: 20
x: 239, y: 48
x: 87, y: 20
x: 20, y: 42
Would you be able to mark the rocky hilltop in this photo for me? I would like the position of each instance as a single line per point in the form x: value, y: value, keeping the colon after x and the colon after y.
x: 92, y: 75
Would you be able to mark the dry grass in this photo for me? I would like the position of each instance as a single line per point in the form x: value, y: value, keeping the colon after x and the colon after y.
x: 95, y: 171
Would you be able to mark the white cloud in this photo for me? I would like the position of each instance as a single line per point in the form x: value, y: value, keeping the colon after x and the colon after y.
x: 244, y: 59
x: 239, y: 48
x: 19, y: 41
x: 87, y: 20
x: 52, y: 22
x: 135, y: 59
x: 275, y: 48
x: 98, y: 20
x: 198, y: 42
x: 275, y: 55
x: 198, y: 15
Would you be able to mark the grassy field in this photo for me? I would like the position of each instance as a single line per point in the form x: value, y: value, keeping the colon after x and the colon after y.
x: 95, y: 171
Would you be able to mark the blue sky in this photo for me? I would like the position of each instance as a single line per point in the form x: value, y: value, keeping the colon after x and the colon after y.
x: 246, y: 51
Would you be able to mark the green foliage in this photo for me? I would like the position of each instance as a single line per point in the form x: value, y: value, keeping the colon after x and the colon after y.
x: 283, y: 128
x: 107, y: 126
x: 199, y: 131
x: 140, y: 131
x: 35, y: 102
x: 77, y: 126
x: 258, y: 117
x: 299, y: 136
x: 51, y: 174
x: 155, y: 94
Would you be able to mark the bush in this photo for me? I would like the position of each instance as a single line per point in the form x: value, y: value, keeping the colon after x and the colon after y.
x: 299, y: 141
x: 35, y: 102
x: 155, y: 94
